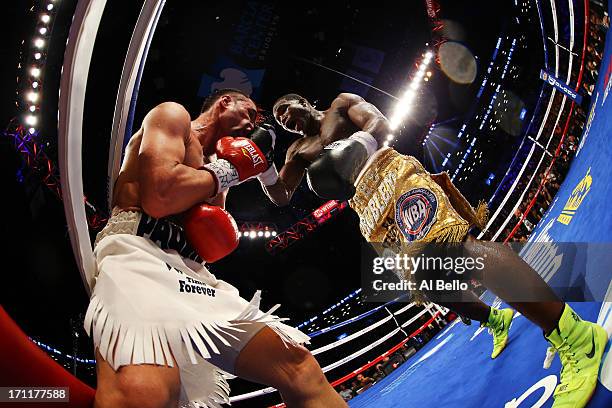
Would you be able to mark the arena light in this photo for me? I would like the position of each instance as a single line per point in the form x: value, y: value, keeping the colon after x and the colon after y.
x: 45, y: 18
x: 43, y: 30
x: 32, y: 131
x: 404, y: 105
x: 33, y: 108
x: 49, y: 7
x: 35, y: 72
x: 273, y: 233
x: 252, y: 234
x: 260, y: 233
x: 267, y: 234
x: 39, y: 43
x: 31, y: 120
x: 37, y: 56
x: 32, y: 97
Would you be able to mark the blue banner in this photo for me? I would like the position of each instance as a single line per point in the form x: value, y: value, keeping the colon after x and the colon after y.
x: 561, y: 86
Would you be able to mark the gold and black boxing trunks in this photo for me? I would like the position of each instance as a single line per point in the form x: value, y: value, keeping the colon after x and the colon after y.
x: 402, y: 208
x: 398, y: 202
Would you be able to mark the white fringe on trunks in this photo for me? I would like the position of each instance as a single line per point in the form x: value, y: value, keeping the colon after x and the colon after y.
x: 151, y: 305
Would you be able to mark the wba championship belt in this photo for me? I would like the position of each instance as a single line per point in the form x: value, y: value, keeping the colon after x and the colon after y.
x: 398, y: 202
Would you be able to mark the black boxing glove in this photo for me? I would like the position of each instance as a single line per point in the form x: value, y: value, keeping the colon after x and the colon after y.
x: 265, y: 138
x: 333, y: 174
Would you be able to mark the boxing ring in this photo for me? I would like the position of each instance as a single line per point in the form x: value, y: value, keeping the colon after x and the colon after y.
x: 451, y: 370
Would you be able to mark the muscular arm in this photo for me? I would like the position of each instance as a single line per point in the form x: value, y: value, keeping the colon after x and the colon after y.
x: 290, y: 177
x: 167, y: 186
x: 365, y: 115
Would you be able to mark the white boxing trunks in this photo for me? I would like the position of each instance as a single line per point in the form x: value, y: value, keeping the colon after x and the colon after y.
x: 151, y: 304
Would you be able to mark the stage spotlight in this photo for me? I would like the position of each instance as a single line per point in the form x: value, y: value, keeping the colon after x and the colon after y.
x: 31, y: 120
x: 32, y: 97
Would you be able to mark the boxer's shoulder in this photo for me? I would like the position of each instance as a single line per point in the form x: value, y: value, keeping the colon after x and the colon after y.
x: 168, y: 114
x: 304, y: 150
x: 171, y: 108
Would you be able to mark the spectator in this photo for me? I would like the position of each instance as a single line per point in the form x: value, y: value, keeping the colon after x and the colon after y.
x: 364, y: 382
x: 378, y: 373
x: 345, y: 393
x: 355, y: 387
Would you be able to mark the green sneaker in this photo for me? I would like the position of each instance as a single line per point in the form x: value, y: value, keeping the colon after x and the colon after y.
x: 499, y: 324
x: 580, y: 345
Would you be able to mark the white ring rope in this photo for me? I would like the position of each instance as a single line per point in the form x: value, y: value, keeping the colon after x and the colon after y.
x: 569, y: 74
x: 350, y: 357
x: 501, y: 206
x: 73, y: 83
x: 542, y: 125
x: 360, y: 332
x: 376, y: 343
x: 134, y: 60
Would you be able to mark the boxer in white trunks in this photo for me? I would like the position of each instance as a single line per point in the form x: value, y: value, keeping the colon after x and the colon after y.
x: 165, y: 330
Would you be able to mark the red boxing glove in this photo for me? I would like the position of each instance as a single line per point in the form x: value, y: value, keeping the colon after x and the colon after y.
x: 211, y: 231
x: 238, y: 159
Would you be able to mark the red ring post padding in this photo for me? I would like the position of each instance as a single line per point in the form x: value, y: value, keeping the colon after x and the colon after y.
x: 23, y: 364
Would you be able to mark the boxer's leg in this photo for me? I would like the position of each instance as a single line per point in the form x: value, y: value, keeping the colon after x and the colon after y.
x: 580, y: 343
x: 466, y: 303
x: 469, y: 305
x: 514, y: 281
x: 144, y: 385
x: 290, y: 369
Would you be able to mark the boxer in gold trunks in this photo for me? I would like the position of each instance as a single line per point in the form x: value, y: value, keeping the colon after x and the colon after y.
x: 401, y: 205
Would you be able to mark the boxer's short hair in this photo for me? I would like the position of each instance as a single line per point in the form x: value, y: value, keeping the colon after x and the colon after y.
x: 288, y: 97
x: 218, y: 93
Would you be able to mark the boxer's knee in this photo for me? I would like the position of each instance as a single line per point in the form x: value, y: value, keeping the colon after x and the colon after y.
x: 139, y: 386
x: 147, y: 390
x: 300, y: 374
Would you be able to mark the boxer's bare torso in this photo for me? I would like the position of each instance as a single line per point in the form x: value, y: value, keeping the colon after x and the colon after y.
x: 126, y: 194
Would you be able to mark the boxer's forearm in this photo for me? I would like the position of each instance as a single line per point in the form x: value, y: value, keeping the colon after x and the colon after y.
x: 290, y: 177
x: 278, y: 193
x: 175, y: 189
x: 378, y: 126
